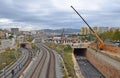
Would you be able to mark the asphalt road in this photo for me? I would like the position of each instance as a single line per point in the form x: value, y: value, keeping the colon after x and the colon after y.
x: 87, y: 69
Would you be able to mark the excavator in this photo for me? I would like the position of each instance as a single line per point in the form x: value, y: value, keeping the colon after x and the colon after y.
x: 100, y: 42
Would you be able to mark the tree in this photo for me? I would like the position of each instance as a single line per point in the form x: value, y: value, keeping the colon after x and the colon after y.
x: 10, y: 37
x: 107, y: 35
x: 116, y: 35
x: 110, y: 34
x: 90, y: 37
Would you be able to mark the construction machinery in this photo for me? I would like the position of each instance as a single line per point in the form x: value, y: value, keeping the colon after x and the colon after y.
x: 62, y: 36
x: 100, y: 42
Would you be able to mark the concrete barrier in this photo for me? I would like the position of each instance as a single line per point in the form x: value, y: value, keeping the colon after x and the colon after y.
x: 77, y: 68
x: 107, y: 66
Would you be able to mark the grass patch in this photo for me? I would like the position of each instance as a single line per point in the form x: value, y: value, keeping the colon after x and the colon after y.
x: 8, y: 57
x: 66, y: 52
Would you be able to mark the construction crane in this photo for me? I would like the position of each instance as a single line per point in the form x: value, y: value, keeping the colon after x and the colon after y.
x: 100, y: 42
x: 62, y: 35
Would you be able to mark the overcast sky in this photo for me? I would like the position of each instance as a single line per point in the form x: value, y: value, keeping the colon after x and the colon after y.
x: 54, y: 14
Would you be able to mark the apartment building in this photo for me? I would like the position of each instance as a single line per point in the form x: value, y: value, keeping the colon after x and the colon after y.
x: 86, y: 30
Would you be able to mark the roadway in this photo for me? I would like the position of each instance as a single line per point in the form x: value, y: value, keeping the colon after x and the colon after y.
x: 87, y: 69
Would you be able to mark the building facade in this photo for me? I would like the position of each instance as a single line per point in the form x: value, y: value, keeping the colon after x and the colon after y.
x: 15, y: 30
x: 86, y: 30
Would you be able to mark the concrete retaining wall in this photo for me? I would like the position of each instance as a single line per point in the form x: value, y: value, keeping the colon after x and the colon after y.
x: 107, y: 66
x: 77, y: 68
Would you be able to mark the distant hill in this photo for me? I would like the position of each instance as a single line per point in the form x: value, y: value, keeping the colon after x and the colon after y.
x: 59, y: 31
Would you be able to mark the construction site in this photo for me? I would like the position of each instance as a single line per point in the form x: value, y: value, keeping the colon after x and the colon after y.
x: 98, y: 60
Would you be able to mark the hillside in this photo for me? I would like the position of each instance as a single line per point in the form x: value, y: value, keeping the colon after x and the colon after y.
x: 59, y: 31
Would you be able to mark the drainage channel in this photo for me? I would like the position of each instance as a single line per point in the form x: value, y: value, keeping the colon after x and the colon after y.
x: 87, y: 69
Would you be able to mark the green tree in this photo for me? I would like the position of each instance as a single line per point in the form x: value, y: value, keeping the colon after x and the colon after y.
x: 107, y: 35
x: 116, y: 35
x: 90, y: 37
x: 110, y: 34
x: 10, y: 37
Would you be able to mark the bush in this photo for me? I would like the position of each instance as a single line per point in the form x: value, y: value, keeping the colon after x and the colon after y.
x: 9, y: 57
x: 12, y: 56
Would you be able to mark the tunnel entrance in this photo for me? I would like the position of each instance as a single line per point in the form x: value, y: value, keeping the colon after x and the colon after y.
x: 85, y: 65
x: 80, y: 52
x: 22, y: 45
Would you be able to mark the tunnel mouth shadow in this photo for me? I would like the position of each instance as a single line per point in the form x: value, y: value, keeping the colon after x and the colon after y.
x: 85, y: 65
x: 80, y: 52
x: 22, y: 45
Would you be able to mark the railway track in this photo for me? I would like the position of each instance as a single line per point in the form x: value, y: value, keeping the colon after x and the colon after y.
x: 25, y: 63
x: 18, y: 66
x: 36, y: 72
x: 45, y: 67
x: 51, y: 66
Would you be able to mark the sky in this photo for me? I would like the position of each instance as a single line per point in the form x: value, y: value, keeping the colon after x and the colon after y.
x: 55, y: 14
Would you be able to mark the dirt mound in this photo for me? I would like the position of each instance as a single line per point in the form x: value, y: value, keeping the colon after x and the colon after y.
x: 109, y: 48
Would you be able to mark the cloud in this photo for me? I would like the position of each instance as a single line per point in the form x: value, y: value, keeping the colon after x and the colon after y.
x: 4, y: 20
x: 81, y: 4
x: 38, y: 14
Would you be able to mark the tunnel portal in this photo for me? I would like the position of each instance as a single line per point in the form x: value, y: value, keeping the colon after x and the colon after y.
x: 23, y: 45
x: 80, y: 51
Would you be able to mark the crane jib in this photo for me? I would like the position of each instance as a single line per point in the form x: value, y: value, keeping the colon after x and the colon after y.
x: 98, y: 38
x: 83, y: 19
